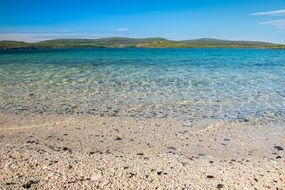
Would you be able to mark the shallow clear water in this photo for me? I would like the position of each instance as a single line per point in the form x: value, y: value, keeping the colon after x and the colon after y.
x: 196, y: 84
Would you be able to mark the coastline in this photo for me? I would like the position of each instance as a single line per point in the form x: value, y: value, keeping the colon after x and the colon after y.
x: 154, y: 42
x: 43, y: 152
x: 94, y: 47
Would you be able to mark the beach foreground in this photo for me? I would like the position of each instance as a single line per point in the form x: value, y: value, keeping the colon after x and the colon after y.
x: 84, y: 152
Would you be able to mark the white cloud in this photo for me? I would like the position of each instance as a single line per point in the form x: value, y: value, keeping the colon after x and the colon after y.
x: 122, y: 29
x: 279, y: 24
x: 270, y: 13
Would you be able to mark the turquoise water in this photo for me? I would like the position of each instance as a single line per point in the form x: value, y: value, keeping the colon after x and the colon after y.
x: 194, y: 84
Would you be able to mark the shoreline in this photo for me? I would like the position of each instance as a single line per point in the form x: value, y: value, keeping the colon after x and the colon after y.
x: 93, y: 47
x: 51, y: 152
x: 153, y: 42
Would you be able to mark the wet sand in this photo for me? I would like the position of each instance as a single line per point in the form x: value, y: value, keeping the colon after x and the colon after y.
x: 84, y: 152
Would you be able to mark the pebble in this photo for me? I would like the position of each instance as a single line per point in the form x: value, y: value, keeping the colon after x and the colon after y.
x: 31, y: 141
x: 219, y: 186
x: 279, y: 148
x: 66, y: 149
x: 30, y: 183
x: 10, y: 183
x: 131, y: 175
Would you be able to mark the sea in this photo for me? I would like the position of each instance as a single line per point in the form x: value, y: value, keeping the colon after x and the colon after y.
x: 242, y: 85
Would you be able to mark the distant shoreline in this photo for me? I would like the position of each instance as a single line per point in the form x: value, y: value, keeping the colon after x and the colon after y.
x: 118, y: 42
x: 62, y: 48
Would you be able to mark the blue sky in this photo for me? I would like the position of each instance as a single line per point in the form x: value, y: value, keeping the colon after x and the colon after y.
x: 35, y: 20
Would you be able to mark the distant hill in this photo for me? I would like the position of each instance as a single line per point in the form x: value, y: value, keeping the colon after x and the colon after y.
x: 118, y: 42
x: 14, y: 44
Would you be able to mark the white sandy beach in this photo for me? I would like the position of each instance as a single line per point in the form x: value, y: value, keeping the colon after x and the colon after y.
x: 72, y: 152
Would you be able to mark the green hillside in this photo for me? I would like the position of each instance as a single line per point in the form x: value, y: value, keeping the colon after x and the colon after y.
x: 13, y: 44
x: 118, y: 42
